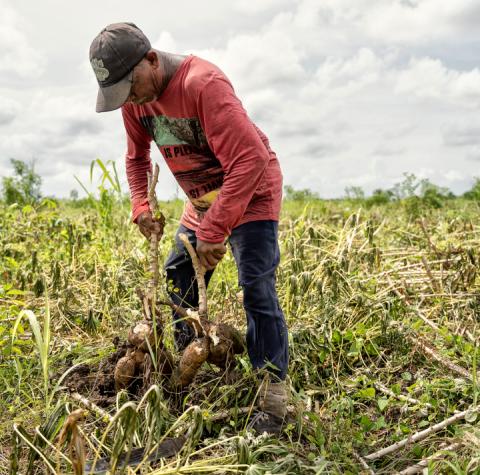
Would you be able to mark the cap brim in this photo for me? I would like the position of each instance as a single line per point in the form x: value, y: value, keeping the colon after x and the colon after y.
x: 112, y: 97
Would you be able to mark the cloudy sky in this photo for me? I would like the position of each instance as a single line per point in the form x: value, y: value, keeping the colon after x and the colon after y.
x: 350, y: 92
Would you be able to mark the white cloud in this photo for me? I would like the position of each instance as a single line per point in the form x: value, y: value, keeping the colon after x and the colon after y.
x: 455, y: 175
x: 429, y: 78
x: 260, y: 6
x: 348, y: 91
x: 269, y: 58
x: 165, y: 42
x: 410, y: 22
x: 346, y: 76
x: 9, y: 109
x: 461, y: 135
x: 18, y: 57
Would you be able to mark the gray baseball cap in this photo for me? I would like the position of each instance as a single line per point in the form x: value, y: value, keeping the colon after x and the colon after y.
x: 115, y: 51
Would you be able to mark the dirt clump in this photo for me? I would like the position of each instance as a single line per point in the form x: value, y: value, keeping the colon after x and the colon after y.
x: 97, y: 380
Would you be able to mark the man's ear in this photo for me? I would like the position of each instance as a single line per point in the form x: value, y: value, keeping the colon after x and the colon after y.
x: 152, y: 57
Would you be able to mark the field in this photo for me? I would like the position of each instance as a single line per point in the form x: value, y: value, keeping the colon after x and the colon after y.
x: 383, y: 309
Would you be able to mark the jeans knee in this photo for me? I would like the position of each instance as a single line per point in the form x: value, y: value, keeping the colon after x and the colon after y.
x: 260, y: 297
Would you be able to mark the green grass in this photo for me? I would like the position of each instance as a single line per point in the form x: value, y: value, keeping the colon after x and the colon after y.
x: 361, y: 290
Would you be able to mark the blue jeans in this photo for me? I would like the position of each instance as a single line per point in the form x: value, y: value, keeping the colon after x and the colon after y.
x: 255, y: 249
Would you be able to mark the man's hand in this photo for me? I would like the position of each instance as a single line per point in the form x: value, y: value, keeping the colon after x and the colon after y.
x: 210, y: 254
x: 148, y: 225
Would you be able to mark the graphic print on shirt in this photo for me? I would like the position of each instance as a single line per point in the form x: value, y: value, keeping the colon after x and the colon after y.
x: 171, y: 131
x: 184, y: 146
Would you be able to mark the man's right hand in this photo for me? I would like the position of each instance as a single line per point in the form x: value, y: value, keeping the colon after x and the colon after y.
x: 148, y: 225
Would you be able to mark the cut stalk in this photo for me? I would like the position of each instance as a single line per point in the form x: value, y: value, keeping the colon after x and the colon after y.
x: 421, y: 435
x: 154, y: 237
x: 420, y: 466
x: 91, y: 406
x: 200, y: 275
x: 388, y: 392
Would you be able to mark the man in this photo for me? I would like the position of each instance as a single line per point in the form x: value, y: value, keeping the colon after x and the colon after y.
x: 228, y: 171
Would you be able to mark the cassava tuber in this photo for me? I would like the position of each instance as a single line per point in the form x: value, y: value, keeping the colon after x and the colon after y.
x: 194, y: 355
x: 225, y: 342
x: 140, y: 333
x: 124, y: 371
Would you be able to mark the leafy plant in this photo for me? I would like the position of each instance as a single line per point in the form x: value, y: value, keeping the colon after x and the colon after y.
x: 42, y: 340
x: 291, y: 194
x: 109, y: 191
x: 474, y: 192
x: 24, y: 186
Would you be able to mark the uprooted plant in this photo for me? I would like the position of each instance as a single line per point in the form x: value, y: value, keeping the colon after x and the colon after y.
x: 217, y: 343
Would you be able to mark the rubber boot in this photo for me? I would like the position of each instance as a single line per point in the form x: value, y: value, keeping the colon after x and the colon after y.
x: 273, y: 397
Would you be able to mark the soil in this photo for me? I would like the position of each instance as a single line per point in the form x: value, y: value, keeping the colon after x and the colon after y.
x: 96, y: 381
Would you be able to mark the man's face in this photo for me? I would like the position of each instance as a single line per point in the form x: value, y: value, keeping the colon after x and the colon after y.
x: 143, y: 83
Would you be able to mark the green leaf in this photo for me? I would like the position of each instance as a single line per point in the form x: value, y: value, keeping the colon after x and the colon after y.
x: 348, y: 335
x: 372, y: 349
x: 83, y: 187
x: 468, y: 347
x: 417, y: 450
x: 355, y: 348
x: 367, y: 393
x: 404, y: 428
x: 366, y: 423
x: 407, y: 376
x: 382, y: 403
x: 380, y: 423
x: 396, y: 388
x: 15, y: 292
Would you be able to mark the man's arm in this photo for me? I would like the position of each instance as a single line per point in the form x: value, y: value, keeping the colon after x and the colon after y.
x: 241, y: 152
x: 138, y: 163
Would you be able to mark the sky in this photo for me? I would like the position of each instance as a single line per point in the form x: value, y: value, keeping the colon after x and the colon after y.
x: 349, y: 92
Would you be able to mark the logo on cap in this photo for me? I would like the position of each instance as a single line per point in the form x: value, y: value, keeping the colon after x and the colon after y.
x: 100, y: 70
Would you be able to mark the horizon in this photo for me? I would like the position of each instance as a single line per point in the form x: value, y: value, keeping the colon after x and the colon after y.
x: 409, y: 181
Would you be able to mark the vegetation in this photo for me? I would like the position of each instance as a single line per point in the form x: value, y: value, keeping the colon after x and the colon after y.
x: 474, y: 192
x: 382, y: 304
x: 291, y: 194
x: 24, y: 186
x: 416, y: 195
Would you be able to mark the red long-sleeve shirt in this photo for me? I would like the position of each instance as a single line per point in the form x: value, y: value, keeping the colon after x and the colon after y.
x: 219, y: 157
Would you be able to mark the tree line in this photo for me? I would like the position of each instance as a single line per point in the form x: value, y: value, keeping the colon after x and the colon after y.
x: 24, y: 187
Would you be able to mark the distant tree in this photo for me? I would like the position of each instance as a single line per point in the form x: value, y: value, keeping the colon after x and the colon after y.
x: 426, y: 186
x: 354, y: 193
x: 434, y: 195
x: 412, y: 188
x: 24, y: 186
x: 299, y: 195
x: 406, y: 188
x: 380, y: 197
x: 74, y: 195
x: 474, y: 192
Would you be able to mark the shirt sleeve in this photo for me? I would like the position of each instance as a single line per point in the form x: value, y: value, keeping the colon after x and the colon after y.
x: 236, y: 144
x: 137, y: 162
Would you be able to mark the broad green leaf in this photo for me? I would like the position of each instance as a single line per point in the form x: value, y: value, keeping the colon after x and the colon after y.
x: 382, y: 403
x: 367, y: 393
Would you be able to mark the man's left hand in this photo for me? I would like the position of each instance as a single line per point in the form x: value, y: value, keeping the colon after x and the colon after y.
x: 210, y: 253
